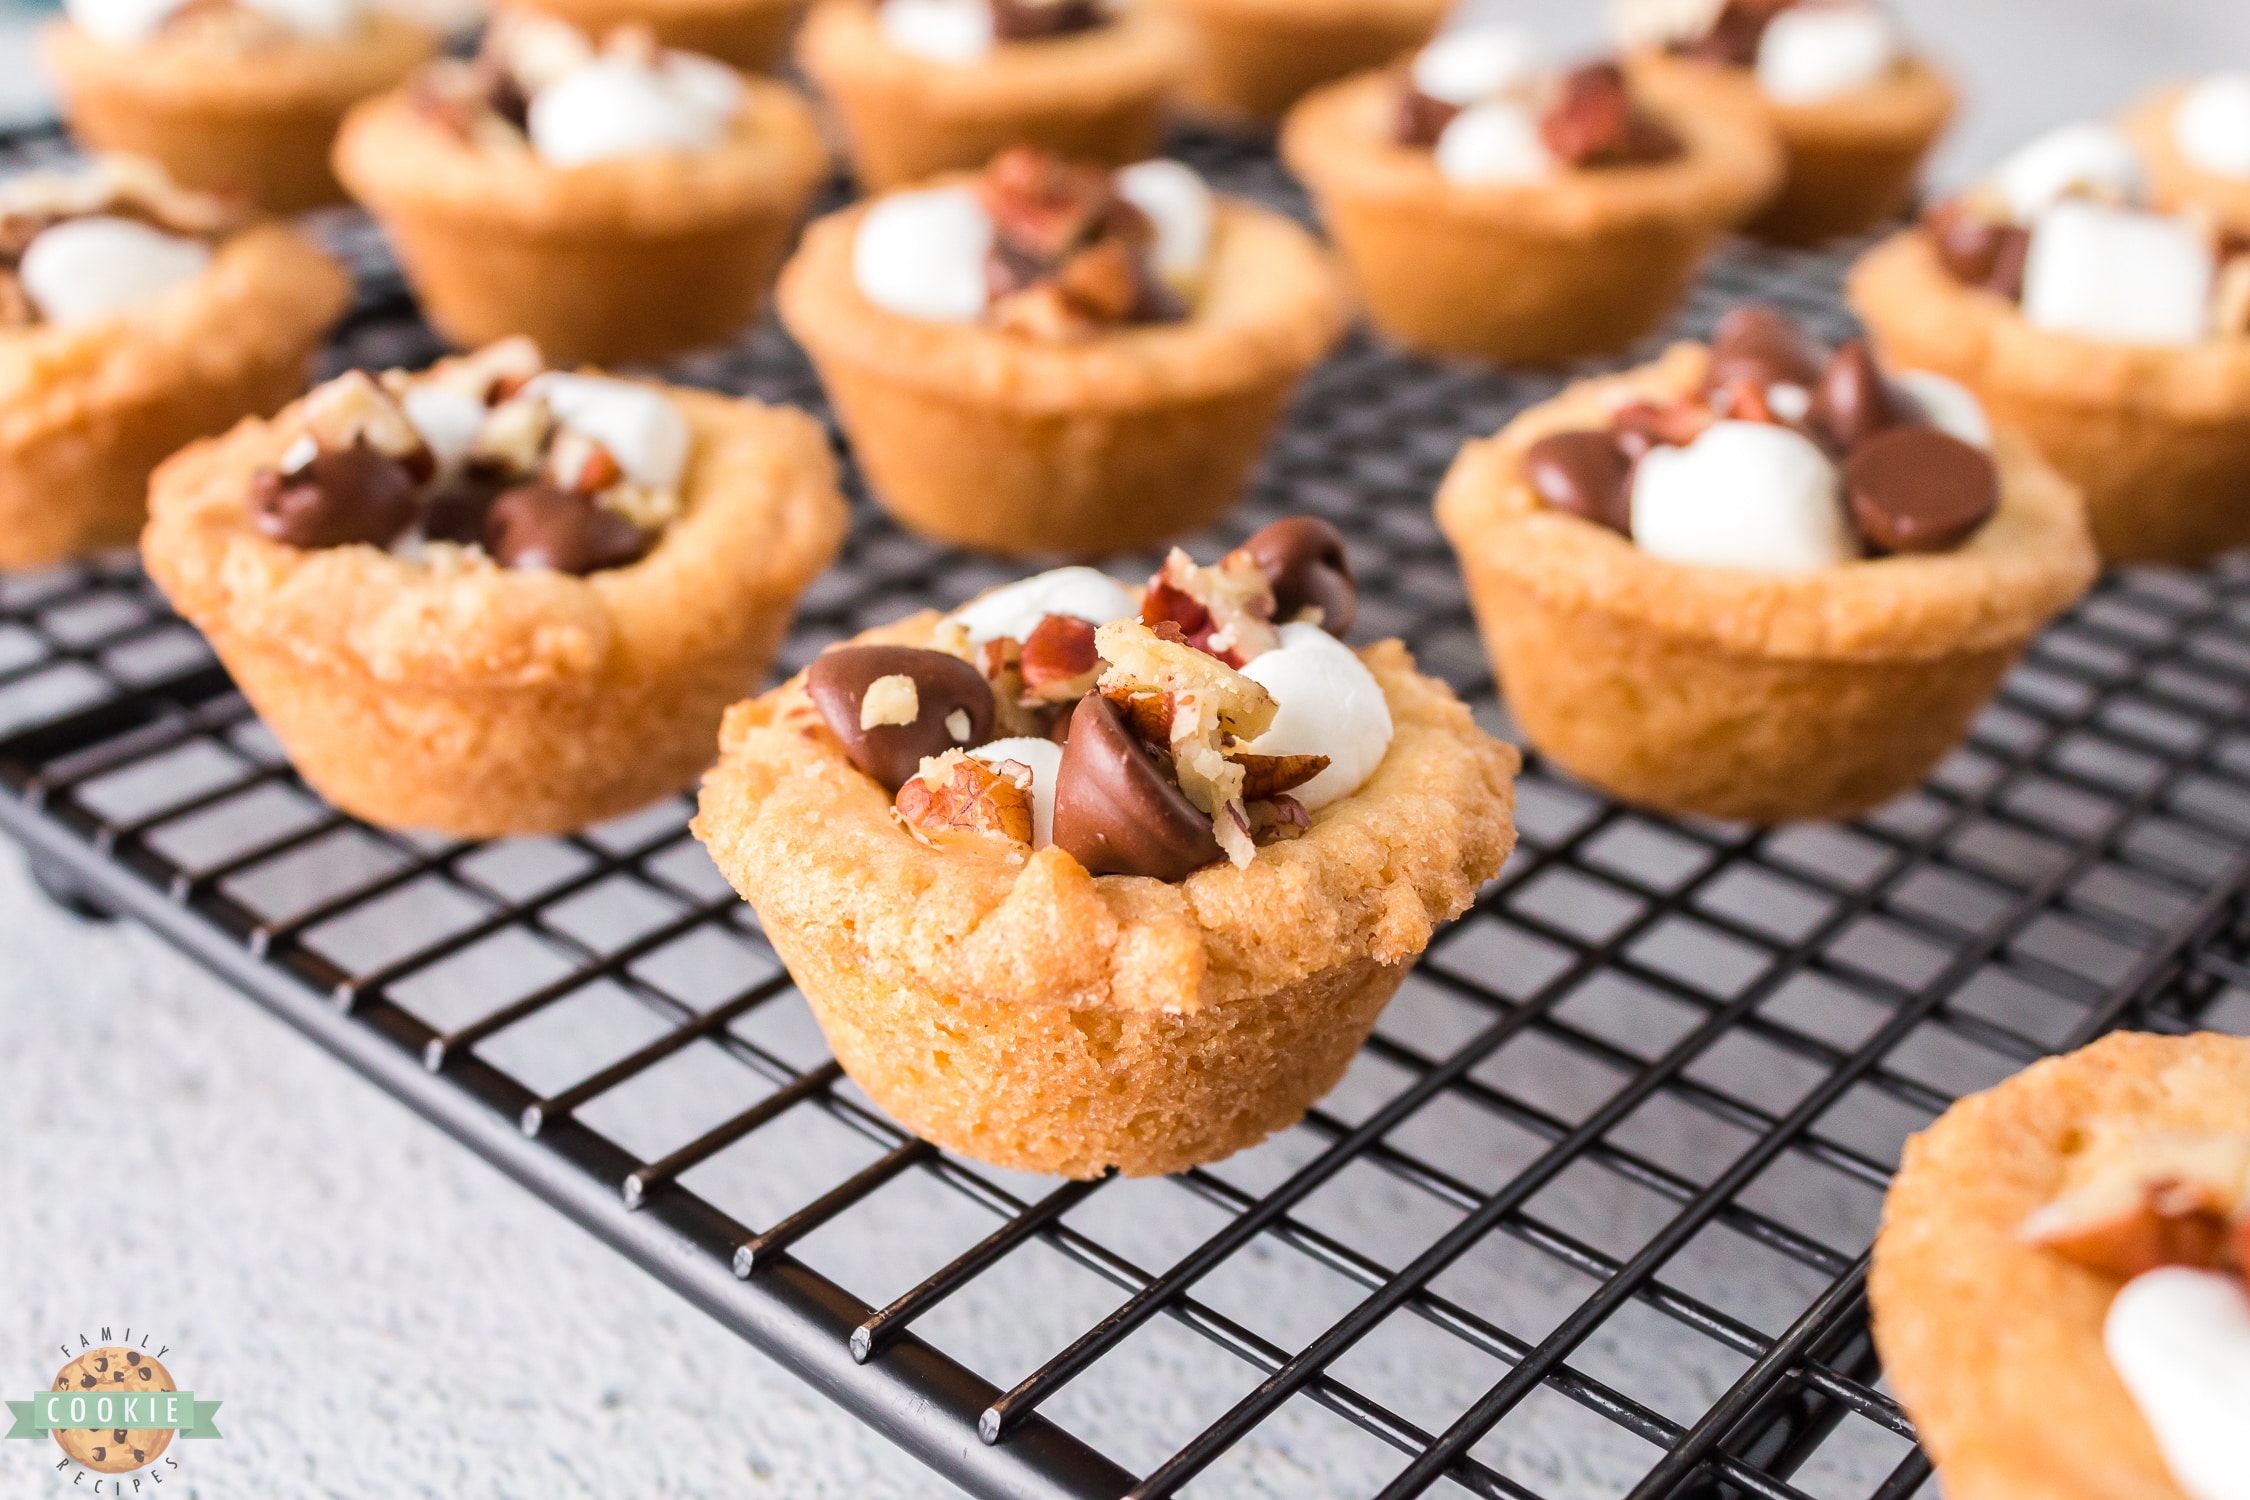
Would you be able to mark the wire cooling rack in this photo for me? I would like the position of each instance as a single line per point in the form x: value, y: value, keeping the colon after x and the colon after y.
x: 1587, y: 1218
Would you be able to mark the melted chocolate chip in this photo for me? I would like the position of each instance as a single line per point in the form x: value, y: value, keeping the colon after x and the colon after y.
x: 1980, y: 251
x: 357, y: 495
x: 1032, y: 20
x: 539, y: 526
x: 1586, y: 474
x: 1303, y: 558
x: 1117, y: 811
x: 1595, y: 123
x: 1916, y: 489
x: 1732, y: 41
x: 891, y: 753
x: 457, y: 512
x: 1421, y: 119
x: 1855, y: 401
x: 1762, y: 345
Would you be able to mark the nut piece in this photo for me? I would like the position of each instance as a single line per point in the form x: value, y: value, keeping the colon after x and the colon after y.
x: 890, y: 700
x: 958, y: 799
x: 1227, y: 610
x: 1205, y: 691
x: 1060, y: 661
x: 2154, y: 1200
x: 1265, y: 777
x: 354, y: 411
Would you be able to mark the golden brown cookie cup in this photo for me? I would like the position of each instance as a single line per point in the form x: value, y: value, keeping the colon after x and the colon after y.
x: 632, y: 258
x: 2158, y: 439
x: 1995, y: 1346
x: 482, y: 701
x: 1853, y: 161
x: 1749, y: 696
x: 258, y: 123
x: 1034, y: 1016
x: 87, y: 412
x: 1097, y: 96
x: 2177, y: 184
x: 1582, y: 263
x: 1256, y: 58
x: 752, y: 35
x: 1006, y: 443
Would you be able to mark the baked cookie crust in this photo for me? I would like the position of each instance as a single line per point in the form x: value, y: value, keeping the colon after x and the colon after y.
x: 1256, y: 58
x: 2177, y: 184
x: 480, y: 701
x: 87, y: 411
x: 1741, y: 695
x: 752, y: 35
x: 1581, y: 263
x: 1047, y: 1020
x: 1995, y: 1346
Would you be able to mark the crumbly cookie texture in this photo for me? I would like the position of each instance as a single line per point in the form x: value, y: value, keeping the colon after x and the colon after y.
x: 1995, y: 1345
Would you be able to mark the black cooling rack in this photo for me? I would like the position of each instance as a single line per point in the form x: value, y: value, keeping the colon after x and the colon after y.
x: 1588, y: 1217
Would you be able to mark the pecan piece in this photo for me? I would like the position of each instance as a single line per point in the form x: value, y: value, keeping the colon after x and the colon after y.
x: 1060, y: 661
x: 958, y: 798
x: 1265, y: 777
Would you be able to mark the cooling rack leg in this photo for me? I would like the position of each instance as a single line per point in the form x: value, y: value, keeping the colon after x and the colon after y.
x: 68, y: 892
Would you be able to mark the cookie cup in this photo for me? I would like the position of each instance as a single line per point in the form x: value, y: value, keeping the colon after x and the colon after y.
x: 1017, y: 446
x: 479, y: 701
x: 752, y: 35
x: 1028, y: 1014
x: 1993, y: 1345
x: 86, y: 412
x: 632, y: 258
x: 1256, y: 58
x: 258, y: 123
x: 1581, y: 263
x: 2177, y: 184
x: 1096, y: 96
x: 1853, y: 161
x: 2157, y: 438
x: 1748, y: 696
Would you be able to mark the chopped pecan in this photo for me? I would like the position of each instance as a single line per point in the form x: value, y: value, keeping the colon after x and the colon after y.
x: 2154, y: 1200
x: 1265, y: 777
x: 1277, y: 820
x: 1045, y: 207
x: 1643, y: 425
x: 1594, y: 122
x: 1225, y: 610
x: 1149, y: 715
x: 355, y: 411
x: 1060, y: 661
x: 958, y: 798
x: 577, y: 462
x: 890, y: 700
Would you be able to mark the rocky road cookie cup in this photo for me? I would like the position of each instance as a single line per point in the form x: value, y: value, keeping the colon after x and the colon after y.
x: 752, y: 35
x: 488, y: 601
x: 2055, y: 1295
x: 1256, y: 58
x: 913, y: 106
x: 619, y: 205
x: 1770, y: 690
x: 137, y: 318
x: 1111, y: 384
x: 2194, y: 139
x: 1519, y: 255
x: 1041, y: 957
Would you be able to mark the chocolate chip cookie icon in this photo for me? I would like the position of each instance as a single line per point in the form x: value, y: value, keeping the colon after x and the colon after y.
x: 114, y: 1371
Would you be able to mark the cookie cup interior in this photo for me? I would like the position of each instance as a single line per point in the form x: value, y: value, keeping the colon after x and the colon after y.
x: 1028, y: 1014
x: 2157, y: 438
x: 752, y: 35
x: 2176, y: 183
x: 1994, y: 1346
x: 1024, y: 447
x: 479, y: 701
x: 1581, y: 263
x: 258, y: 122
x: 87, y: 411
x: 631, y: 258
x: 1756, y: 697
x: 1853, y: 161
x: 1253, y: 59
x: 1097, y: 96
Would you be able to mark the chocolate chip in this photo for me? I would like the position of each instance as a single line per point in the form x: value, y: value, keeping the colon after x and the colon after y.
x: 539, y: 526
x: 891, y: 753
x: 1594, y: 122
x: 1980, y: 251
x: 356, y: 495
x: 1765, y: 347
x: 1586, y: 474
x: 1421, y: 119
x: 86, y: 1382
x: 1304, y: 559
x: 1916, y: 489
x: 117, y: 1435
x: 100, y: 1454
x: 1032, y: 20
x: 1117, y: 811
x: 132, y: 1357
x: 146, y: 1372
x: 457, y: 512
x: 1855, y: 400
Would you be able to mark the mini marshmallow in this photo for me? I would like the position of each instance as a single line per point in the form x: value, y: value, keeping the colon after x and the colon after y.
x: 1015, y: 610
x: 1952, y: 407
x: 704, y: 82
x: 1497, y: 141
x: 639, y: 426
x: 1744, y: 495
x: 447, y: 419
x: 1328, y: 704
x: 120, y: 23
x: 1815, y: 52
x: 616, y: 106
x: 921, y: 255
x: 2090, y: 159
x: 1179, y: 203
x: 946, y: 31
x: 1476, y: 62
x: 1045, y: 759
x: 2180, y: 1341
x: 2211, y: 125
x: 84, y: 269
x: 2118, y: 275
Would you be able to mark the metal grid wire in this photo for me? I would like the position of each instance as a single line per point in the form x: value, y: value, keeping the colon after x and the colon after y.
x: 1589, y: 1215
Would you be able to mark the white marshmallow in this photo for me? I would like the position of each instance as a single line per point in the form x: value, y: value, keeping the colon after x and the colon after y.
x: 921, y: 255
x: 2211, y: 125
x: 1497, y: 141
x: 615, y: 106
x: 2087, y: 158
x: 639, y: 426
x: 1329, y: 704
x: 1952, y: 407
x: 84, y: 269
x: 1815, y: 52
x: 1475, y: 62
x: 1743, y: 495
x: 1015, y: 610
x: 706, y: 83
x: 2180, y: 1340
x: 310, y: 17
x: 1045, y: 759
x: 1634, y: 24
x: 1179, y: 203
x: 946, y: 31
x: 2118, y: 275
x: 120, y: 23
x: 447, y: 419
